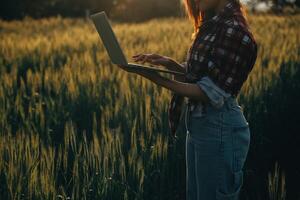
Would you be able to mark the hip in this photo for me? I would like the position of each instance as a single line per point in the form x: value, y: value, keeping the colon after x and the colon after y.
x: 230, y: 115
x: 217, y: 122
x: 220, y: 136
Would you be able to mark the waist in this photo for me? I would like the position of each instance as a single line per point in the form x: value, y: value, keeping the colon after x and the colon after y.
x: 198, y: 107
x: 230, y: 114
x: 232, y: 100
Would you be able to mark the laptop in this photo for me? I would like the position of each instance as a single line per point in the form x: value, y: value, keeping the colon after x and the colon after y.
x: 113, y: 47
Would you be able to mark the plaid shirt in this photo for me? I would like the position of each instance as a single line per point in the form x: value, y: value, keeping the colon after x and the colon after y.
x: 224, y: 50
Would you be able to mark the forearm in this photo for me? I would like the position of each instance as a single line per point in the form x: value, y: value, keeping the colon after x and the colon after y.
x: 180, y: 78
x: 184, y: 89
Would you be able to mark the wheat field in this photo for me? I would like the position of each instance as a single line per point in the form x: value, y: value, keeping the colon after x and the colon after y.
x: 75, y: 126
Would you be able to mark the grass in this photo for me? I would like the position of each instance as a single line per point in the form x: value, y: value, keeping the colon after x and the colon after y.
x: 72, y: 125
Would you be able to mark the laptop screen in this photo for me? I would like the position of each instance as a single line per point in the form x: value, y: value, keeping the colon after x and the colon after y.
x: 108, y: 38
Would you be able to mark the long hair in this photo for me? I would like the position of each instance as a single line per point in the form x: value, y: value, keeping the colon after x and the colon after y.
x: 197, y: 17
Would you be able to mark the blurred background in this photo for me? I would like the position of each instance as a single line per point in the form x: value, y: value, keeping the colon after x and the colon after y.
x: 129, y: 10
x: 75, y: 126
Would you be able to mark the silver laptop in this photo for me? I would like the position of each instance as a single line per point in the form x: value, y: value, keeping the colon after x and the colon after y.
x: 113, y: 47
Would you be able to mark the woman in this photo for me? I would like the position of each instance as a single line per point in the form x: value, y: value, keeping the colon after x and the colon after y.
x: 219, y: 61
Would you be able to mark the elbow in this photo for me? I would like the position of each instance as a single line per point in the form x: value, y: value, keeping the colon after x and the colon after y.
x: 208, y: 97
x: 199, y: 94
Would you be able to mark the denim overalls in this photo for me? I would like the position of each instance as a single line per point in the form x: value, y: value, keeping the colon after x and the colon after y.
x: 217, y: 144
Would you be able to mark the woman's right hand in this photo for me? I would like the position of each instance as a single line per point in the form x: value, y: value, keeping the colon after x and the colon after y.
x: 154, y: 59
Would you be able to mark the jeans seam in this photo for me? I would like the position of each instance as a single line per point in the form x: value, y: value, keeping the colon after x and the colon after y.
x: 187, y: 120
x: 233, y: 167
x: 221, y: 151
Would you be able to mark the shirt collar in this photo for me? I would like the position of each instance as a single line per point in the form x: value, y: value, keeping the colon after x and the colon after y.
x: 230, y: 8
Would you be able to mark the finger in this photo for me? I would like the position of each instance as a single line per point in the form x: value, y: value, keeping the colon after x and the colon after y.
x: 139, y: 58
x: 145, y: 59
x: 152, y: 56
x: 134, y: 56
x: 154, y: 62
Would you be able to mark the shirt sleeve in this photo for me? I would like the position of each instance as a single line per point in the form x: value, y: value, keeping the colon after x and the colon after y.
x: 231, y: 58
x: 215, y: 94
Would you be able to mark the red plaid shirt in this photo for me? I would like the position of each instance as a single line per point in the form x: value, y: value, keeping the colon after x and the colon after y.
x: 224, y: 50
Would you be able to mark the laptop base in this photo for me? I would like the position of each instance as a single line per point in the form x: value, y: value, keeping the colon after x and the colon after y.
x: 154, y: 69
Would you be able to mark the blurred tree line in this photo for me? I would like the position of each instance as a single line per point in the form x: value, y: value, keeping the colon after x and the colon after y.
x: 129, y: 10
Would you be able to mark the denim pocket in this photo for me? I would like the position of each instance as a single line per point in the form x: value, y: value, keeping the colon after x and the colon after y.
x: 234, y: 117
x: 211, y: 117
x: 237, y: 185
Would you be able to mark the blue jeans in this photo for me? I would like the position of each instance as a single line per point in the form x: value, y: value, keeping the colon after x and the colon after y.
x: 217, y: 144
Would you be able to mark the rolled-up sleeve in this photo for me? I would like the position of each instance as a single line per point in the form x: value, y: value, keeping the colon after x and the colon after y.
x: 215, y: 94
